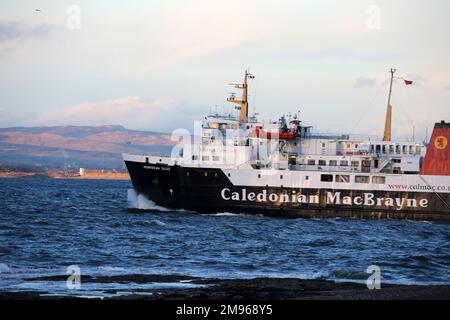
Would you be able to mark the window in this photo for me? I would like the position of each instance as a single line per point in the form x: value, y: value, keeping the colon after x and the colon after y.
x: 383, y: 148
x: 377, y: 148
x: 378, y: 180
x: 397, y: 149
x: 194, y: 157
x: 372, y: 148
x: 311, y: 162
x: 343, y: 163
x: 391, y: 149
x: 306, y: 177
x: 411, y: 150
x: 187, y: 173
x: 259, y: 176
x: 362, y: 179
x: 205, y: 158
x: 333, y: 163
x: 229, y: 175
x: 206, y: 174
x: 281, y: 176
x: 322, y: 163
x: 326, y: 177
x: 323, y: 145
x: 404, y: 149
x: 216, y: 158
x: 342, y: 178
x: 355, y: 163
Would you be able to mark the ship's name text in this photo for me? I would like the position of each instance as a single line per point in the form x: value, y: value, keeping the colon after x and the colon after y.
x: 366, y: 199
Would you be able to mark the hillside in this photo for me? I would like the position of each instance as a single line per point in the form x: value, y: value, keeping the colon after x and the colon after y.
x: 77, y: 146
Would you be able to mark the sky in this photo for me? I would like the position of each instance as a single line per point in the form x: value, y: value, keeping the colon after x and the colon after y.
x: 160, y: 65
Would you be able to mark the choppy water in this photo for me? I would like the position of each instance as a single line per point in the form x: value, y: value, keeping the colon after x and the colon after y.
x: 47, y: 225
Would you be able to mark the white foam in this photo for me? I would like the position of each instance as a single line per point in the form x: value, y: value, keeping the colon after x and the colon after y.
x: 225, y: 214
x: 139, y: 201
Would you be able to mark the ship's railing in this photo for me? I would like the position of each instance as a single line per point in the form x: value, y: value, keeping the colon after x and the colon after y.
x: 306, y: 167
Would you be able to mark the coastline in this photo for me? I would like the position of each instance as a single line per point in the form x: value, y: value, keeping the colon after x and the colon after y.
x: 233, y: 289
x: 55, y: 174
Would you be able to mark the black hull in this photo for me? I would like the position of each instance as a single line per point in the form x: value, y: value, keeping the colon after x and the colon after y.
x: 199, y: 190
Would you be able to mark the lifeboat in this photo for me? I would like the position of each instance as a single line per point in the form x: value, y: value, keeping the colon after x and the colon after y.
x: 263, y: 134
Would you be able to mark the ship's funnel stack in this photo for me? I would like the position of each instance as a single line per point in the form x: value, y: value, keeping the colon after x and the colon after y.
x: 437, y: 158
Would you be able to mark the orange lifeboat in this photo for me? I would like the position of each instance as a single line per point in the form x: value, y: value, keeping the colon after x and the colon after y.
x: 263, y: 134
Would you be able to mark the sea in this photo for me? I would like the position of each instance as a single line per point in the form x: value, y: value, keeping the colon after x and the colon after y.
x: 48, y: 226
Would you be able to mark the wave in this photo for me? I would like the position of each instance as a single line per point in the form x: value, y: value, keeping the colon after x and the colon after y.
x: 4, y: 268
x: 141, y: 202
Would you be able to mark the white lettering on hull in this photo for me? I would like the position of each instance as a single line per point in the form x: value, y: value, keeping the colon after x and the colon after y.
x: 367, y: 199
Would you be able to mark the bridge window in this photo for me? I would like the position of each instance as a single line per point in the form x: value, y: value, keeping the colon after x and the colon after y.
x: 342, y: 178
x: 281, y: 176
x: 355, y: 163
x: 216, y: 158
x: 259, y: 176
x: 326, y: 177
x: 343, y: 163
x: 391, y: 148
x: 322, y: 163
x: 194, y: 158
x: 404, y: 149
x: 362, y: 179
x: 333, y: 163
x: 311, y: 162
x: 205, y: 158
x: 378, y: 180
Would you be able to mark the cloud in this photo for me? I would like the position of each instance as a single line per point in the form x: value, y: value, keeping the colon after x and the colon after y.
x: 14, y: 30
x: 132, y: 112
x: 364, y: 82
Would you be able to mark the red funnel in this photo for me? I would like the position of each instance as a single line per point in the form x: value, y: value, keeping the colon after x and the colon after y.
x: 437, y: 158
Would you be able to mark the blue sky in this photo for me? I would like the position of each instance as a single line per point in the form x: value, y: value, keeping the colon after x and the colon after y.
x: 159, y: 65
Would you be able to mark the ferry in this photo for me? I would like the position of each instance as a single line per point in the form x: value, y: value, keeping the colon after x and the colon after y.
x: 239, y: 164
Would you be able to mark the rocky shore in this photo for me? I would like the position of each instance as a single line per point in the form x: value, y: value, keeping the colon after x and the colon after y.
x: 233, y: 289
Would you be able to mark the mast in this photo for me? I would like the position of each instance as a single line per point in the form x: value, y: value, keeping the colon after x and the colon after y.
x: 243, y: 102
x: 388, y: 122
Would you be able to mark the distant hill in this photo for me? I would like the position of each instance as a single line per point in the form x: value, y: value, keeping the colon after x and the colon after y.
x: 77, y: 146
